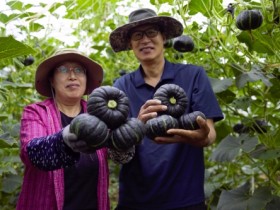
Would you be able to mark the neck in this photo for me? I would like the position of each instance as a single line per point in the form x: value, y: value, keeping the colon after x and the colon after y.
x: 153, y: 71
x: 69, y: 109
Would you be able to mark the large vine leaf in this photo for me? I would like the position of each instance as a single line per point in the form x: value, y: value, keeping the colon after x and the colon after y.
x: 220, y: 85
x: 241, y: 199
x: 256, y: 43
x: 206, y: 7
x: 10, y: 47
x: 231, y: 146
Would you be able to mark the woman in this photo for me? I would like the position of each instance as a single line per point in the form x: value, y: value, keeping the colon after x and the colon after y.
x: 61, y: 172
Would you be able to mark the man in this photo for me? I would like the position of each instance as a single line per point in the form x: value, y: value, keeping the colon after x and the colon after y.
x: 167, y: 172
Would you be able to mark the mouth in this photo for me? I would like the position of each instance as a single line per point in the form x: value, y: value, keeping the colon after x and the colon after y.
x: 72, y: 86
x: 146, y: 49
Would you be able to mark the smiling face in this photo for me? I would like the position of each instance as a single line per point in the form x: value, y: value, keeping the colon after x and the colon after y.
x: 69, y: 81
x: 147, y: 43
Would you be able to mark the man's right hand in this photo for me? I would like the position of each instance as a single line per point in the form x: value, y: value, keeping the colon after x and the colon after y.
x: 149, y: 110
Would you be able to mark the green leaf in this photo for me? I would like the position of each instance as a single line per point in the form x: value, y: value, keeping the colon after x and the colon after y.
x: 206, y: 7
x: 220, y: 85
x: 6, y: 141
x: 254, y: 75
x: 240, y: 198
x: 15, y: 5
x: 242, y: 103
x: 258, y: 44
x: 263, y: 153
x: 231, y: 146
x: 33, y: 27
x: 227, y: 96
x: 9, y: 47
x: 11, y: 183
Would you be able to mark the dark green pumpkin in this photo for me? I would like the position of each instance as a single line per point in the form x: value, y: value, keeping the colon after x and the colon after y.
x: 168, y: 43
x: 174, y: 97
x: 90, y: 129
x: 183, y: 43
x: 188, y: 121
x: 127, y: 135
x: 109, y: 104
x: 249, y: 20
x: 159, y: 125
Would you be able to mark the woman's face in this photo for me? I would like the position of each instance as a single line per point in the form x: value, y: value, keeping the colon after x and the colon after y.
x: 69, y: 81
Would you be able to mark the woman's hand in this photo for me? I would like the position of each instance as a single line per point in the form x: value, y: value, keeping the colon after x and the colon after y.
x: 77, y: 145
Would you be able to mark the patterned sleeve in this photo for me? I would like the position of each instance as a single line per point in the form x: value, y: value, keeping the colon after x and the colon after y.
x: 121, y: 157
x: 51, y: 153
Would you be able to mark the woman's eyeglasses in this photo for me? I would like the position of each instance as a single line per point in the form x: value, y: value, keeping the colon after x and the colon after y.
x: 76, y: 70
x: 150, y: 33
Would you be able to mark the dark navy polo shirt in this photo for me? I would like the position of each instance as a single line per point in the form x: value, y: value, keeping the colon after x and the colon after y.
x: 162, y: 177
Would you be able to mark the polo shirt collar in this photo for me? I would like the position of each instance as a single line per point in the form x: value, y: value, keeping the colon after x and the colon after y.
x: 168, y: 73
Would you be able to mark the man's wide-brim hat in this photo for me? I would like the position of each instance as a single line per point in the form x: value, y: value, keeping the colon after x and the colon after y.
x: 170, y: 27
x: 94, y: 71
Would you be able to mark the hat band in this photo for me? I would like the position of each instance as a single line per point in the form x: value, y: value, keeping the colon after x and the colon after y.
x: 140, y: 15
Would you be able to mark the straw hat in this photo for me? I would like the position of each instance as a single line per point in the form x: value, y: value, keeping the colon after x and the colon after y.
x: 170, y: 26
x: 93, y: 70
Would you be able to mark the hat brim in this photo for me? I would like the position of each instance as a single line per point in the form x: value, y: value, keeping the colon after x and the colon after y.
x: 94, y: 72
x: 171, y: 28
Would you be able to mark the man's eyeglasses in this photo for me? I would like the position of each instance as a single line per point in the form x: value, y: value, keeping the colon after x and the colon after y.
x: 150, y: 33
x: 66, y: 70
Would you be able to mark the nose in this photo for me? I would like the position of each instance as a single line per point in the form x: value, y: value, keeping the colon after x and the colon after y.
x: 72, y: 73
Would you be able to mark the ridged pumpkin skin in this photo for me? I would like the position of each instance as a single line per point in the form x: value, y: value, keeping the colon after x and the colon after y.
x: 159, y: 125
x: 249, y: 20
x: 90, y: 129
x: 188, y: 121
x: 109, y: 104
x: 174, y: 97
x: 183, y: 43
x: 128, y: 134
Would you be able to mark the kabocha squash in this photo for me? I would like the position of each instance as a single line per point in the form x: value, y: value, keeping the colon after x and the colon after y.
x: 174, y: 97
x: 188, y: 121
x: 127, y: 135
x: 90, y: 129
x: 159, y: 125
x: 249, y: 20
x: 183, y: 43
x: 168, y: 43
x: 109, y: 104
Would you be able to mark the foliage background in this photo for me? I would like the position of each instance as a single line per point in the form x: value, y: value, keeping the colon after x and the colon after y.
x: 244, y: 68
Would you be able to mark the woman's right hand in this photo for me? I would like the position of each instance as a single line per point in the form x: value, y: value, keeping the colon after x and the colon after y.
x: 77, y: 145
x: 149, y: 110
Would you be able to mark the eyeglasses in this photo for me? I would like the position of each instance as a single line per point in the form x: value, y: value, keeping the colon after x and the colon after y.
x: 150, y: 33
x: 66, y: 70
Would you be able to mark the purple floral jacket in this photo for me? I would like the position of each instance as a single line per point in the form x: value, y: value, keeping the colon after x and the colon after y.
x: 41, y: 189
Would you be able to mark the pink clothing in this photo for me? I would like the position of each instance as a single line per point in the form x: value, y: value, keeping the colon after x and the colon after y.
x: 44, y: 190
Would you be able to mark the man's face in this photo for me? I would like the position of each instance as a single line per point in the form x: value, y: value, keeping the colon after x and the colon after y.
x: 147, y: 42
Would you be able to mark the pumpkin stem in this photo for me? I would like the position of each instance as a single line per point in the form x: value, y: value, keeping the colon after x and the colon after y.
x: 172, y: 100
x: 112, y: 104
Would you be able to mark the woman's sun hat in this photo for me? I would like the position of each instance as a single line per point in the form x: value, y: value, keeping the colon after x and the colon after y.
x: 94, y: 71
x: 170, y: 27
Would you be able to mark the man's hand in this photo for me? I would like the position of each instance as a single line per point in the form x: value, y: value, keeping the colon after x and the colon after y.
x: 202, y: 137
x: 149, y: 110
